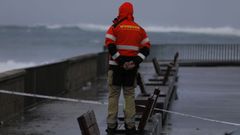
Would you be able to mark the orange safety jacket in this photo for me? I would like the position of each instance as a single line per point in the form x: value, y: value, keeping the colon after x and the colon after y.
x: 125, y: 38
x: 129, y: 38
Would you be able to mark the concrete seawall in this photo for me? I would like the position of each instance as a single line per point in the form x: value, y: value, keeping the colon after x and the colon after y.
x: 10, y: 104
x: 49, y: 79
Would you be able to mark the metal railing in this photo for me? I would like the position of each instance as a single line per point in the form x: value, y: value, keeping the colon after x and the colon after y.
x: 197, y: 52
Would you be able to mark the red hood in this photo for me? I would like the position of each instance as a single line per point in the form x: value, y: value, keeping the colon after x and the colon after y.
x: 126, y: 10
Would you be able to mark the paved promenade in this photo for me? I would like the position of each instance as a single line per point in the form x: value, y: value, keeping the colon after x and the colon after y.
x: 60, y: 118
x: 206, y: 92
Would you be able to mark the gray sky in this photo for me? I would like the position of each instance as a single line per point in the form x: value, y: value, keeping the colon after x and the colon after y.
x: 180, y: 13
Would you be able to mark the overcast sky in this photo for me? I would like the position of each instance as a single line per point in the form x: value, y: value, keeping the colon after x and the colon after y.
x: 178, y: 13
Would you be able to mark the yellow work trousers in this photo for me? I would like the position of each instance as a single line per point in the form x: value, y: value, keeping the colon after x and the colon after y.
x: 113, y: 100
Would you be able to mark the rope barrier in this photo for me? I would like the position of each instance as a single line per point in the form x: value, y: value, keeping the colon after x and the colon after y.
x: 201, y: 118
x: 52, y: 97
x: 105, y: 103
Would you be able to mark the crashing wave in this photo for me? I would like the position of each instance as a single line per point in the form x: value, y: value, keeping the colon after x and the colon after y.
x: 160, y: 29
x: 11, y: 64
x: 200, y: 30
x: 157, y: 29
x: 84, y: 26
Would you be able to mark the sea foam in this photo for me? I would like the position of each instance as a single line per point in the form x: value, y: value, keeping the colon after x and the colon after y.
x: 11, y: 64
x: 199, y: 30
x: 163, y: 29
x: 226, y: 30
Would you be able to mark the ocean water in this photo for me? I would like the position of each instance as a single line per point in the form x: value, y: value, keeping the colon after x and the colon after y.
x: 25, y: 46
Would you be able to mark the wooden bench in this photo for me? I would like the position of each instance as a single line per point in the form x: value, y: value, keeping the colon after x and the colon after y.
x: 168, y: 92
x: 167, y: 95
x: 165, y: 92
x: 174, y: 62
x: 162, y: 80
x: 163, y: 76
x: 144, y: 92
x: 140, y: 83
x: 160, y: 68
x: 88, y: 123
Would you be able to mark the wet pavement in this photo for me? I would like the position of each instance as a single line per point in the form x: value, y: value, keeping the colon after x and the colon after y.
x: 206, y: 92
x: 58, y: 117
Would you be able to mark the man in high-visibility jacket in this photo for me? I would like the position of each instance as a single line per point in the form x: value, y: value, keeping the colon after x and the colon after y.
x: 128, y: 45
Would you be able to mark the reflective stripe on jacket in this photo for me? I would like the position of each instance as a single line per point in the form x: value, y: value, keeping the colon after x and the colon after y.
x: 129, y: 38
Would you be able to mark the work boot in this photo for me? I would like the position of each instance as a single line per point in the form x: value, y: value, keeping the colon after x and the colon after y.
x: 111, y: 131
x: 130, y: 131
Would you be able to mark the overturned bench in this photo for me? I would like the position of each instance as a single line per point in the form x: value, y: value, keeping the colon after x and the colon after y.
x: 168, y: 92
x: 88, y: 123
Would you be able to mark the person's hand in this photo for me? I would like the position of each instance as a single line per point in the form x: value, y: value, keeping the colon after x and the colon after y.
x: 129, y: 65
x: 120, y: 60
